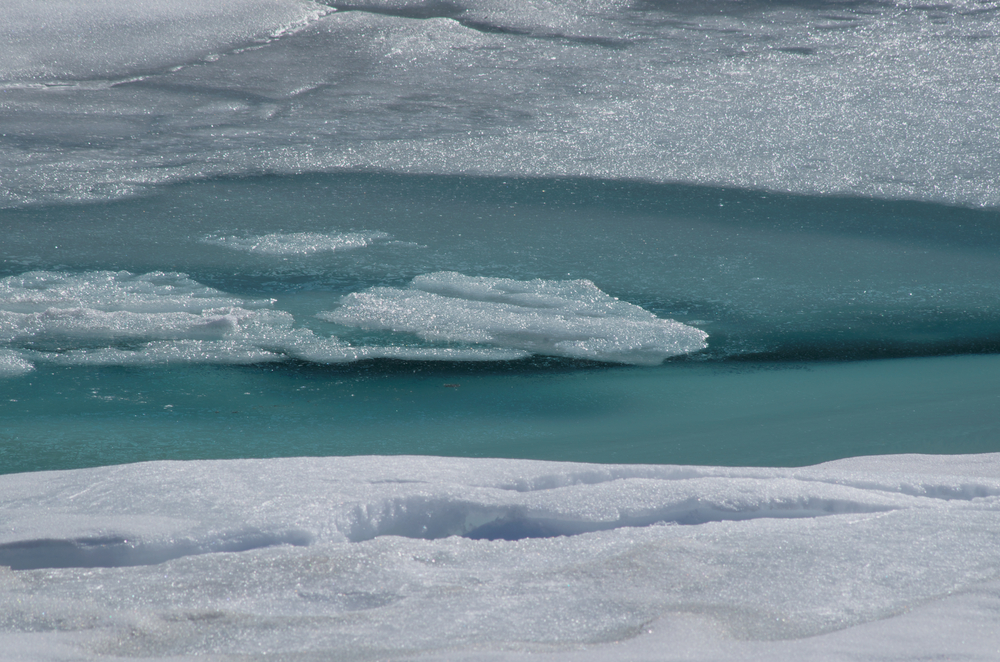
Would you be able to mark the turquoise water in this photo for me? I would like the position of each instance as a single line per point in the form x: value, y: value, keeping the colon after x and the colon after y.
x: 762, y: 414
x: 837, y: 327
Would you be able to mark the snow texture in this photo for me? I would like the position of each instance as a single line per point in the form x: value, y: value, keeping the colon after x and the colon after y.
x: 438, y: 558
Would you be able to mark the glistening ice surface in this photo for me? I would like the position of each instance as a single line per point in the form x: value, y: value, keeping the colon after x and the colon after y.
x: 405, y: 329
x: 887, y: 99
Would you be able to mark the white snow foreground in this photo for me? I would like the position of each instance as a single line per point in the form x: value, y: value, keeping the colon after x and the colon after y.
x: 887, y: 558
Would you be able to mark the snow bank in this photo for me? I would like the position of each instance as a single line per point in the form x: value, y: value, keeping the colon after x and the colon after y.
x: 355, y: 558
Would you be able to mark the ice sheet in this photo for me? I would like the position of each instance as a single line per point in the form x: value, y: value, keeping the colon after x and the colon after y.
x: 365, y: 557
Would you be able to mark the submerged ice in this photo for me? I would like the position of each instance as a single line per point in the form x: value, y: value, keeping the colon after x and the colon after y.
x: 299, y: 243
x: 328, y: 556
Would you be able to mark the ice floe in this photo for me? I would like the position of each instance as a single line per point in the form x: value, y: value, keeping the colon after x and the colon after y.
x: 563, y: 318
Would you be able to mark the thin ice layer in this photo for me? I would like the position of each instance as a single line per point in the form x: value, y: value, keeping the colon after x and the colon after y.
x: 562, y: 318
x: 882, y: 99
x: 299, y: 243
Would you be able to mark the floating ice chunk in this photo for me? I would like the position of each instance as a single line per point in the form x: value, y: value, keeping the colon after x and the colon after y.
x: 564, y: 318
x: 117, y: 318
x: 59, y: 325
x: 159, y: 352
x: 299, y: 243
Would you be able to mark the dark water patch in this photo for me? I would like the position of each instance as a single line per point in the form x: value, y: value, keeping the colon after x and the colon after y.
x: 732, y: 413
x: 528, y: 366
x: 765, y: 274
x: 774, y: 279
x: 352, y: 201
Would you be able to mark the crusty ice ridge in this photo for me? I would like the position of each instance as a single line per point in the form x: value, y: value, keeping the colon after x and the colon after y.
x: 571, y: 318
x: 336, y: 552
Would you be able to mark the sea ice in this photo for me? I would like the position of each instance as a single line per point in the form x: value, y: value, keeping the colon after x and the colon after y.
x: 13, y: 364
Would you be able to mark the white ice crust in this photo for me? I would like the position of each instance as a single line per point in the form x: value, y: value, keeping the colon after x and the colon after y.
x: 570, y: 318
x: 299, y: 243
x: 391, y: 558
